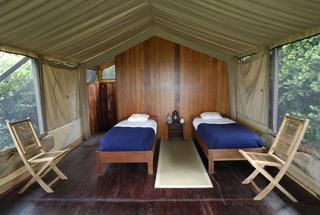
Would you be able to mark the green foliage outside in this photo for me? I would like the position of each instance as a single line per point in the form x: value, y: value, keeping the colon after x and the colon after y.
x: 109, y: 73
x: 299, y: 84
x: 17, y: 97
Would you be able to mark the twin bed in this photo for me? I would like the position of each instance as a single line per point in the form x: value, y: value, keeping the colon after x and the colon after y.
x: 130, y: 141
x: 134, y: 140
x: 221, y: 138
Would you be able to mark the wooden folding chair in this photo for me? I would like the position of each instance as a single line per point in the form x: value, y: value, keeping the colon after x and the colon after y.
x: 280, y: 155
x: 37, y: 161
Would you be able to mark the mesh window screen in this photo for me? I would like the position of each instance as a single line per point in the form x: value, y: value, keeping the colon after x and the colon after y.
x: 299, y: 84
x: 91, y: 76
x: 109, y: 73
x: 17, y: 94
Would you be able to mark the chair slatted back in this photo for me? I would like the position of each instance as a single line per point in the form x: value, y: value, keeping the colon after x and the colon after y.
x: 289, y: 136
x: 24, y: 136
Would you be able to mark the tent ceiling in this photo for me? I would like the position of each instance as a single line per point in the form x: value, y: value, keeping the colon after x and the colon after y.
x: 84, y: 31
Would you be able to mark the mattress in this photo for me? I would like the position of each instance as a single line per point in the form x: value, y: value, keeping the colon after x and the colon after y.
x: 129, y: 136
x: 228, y: 135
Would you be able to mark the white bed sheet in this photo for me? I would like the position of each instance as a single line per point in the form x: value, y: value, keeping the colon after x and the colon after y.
x: 150, y: 123
x: 197, y: 121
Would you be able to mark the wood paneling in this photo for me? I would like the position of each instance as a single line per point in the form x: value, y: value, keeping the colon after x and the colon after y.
x: 145, y: 81
x: 203, y: 86
x: 158, y: 76
x: 101, y: 106
x: 108, y: 104
x: 94, y: 108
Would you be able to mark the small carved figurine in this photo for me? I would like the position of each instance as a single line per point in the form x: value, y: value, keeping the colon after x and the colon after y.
x: 175, y: 116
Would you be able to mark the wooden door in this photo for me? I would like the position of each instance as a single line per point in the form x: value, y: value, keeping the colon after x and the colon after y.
x: 94, y: 107
x: 101, y: 106
x: 108, y: 104
x: 104, y: 105
x: 111, y: 104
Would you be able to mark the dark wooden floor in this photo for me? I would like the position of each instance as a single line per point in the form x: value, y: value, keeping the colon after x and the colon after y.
x: 127, y: 189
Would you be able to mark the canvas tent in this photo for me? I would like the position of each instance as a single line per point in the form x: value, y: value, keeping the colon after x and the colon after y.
x: 87, y: 34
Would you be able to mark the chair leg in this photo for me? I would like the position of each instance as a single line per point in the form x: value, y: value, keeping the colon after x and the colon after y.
x: 58, y: 171
x: 44, y: 185
x: 42, y: 172
x: 251, y: 177
x: 274, y: 182
x: 285, y: 192
x: 30, y: 182
x: 268, y: 189
x: 264, y: 192
x: 41, y: 183
x: 37, y: 178
x: 54, y: 181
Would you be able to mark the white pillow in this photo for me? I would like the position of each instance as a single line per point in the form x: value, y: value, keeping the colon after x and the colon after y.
x: 138, y: 117
x: 211, y: 115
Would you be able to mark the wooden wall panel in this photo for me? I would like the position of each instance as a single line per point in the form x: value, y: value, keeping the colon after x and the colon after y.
x: 111, y: 104
x: 94, y: 107
x: 203, y: 86
x: 108, y: 104
x: 145, y: 80
x: 101, y: 106
x: 158, y: 76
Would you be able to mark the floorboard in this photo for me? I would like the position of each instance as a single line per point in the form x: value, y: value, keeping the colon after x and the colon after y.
x: 127, y: 189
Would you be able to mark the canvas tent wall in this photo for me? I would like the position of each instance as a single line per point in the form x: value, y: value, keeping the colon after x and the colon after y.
x: 61, y: 108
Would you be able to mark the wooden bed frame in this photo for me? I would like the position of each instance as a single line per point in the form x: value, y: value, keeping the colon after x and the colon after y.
x: 220, y: 154
x: 103, y: 157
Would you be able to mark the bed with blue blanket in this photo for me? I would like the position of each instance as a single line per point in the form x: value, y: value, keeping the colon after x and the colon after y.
x: 128, y: 142
x: 221, y: 139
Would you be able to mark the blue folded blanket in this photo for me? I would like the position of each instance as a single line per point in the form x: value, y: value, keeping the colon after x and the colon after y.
x: 127, y: 139
x: 228, y: 136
